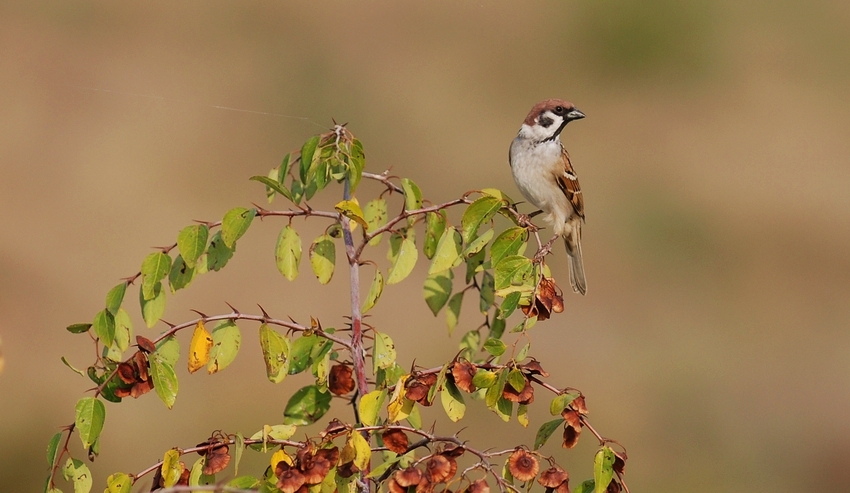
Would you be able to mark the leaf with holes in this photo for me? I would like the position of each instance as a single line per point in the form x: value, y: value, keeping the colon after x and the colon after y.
x: 545, y: 431
x: 89, y: 419
x: 435, y: 225
x: 192, y: 241
x: 375, y: 214
x: 288, y: 253
x: 226, y: 341
x: 323, y: 258
x: 164, y: 379
x: 383, y: 354
x: 235, y: 224
x: 154, y: 269
x: 275, y: 349
x: 477, y: 213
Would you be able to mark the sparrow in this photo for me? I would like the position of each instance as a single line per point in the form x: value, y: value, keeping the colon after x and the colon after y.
x: 544, y: 174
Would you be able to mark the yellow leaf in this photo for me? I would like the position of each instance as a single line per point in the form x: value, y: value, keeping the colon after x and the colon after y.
x: 278, y: 456
x: 394, y: 408
x: 362, y: 451
x: 351, y: 209
x: 171, y: 468
x: 199, y: 348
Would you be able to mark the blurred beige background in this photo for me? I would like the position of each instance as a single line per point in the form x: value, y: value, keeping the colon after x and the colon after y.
x: 714, y: 339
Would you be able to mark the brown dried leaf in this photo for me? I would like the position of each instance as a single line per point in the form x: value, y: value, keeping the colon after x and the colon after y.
x: 315, y: 468
x: 572, y: 427
x: 396, y: 441
x: 453, y: 452
x: 122, y: 392
x: 145, y: 344
x: 522, y: 465
x: 140, y: 362
x: 141, y: 389
x: 334, y: 429
x: 184, y: 476
x: 524, y: 397
x: 462, y: 373
x: 126, y: 372
x: 579, y: 405
x: 340, y: 381
x: 620, y: 459
x: 613, y: 487
x: 330, y: 454
x: 347, y: 469
x: 418, y: 386
x: 394, y: 487
x: 533, y: 368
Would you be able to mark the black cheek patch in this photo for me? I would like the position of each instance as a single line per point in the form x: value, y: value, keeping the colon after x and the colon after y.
x: 545, y: 121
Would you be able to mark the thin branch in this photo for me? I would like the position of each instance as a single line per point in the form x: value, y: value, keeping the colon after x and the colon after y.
x: 385, y: 179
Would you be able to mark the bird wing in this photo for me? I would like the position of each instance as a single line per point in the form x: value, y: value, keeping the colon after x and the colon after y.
x: 568, y: 183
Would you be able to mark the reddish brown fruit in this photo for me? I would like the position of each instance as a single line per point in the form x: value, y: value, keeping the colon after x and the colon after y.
x: 340, y: 381
x: 522, y: 465
x: 524, y: 397
x: 216, y: 460
x: 396, y: 441
x: 408, y: 477
x: 478, y: 486
x: 553, y: 477
x: 440, y: 468
x: 572, y: 427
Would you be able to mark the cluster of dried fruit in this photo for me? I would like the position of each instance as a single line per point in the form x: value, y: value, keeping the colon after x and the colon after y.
x: 310, y: 467
x: 547, y: 300
x: 136, y: 381
x: 439, y: 468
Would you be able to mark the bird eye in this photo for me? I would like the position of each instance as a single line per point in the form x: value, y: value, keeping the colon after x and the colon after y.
x: 559, y: 109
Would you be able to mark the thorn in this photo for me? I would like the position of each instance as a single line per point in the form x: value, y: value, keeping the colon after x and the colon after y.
x: 265, y: 315
x: 235, y: 311
x: 291, y: 319
x: 203, y: 315
x: 206, y: 223
x: 169, y: 324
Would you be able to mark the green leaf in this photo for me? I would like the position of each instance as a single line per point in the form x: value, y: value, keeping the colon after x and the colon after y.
x: 470, y: 344
x: 494, y: 393
x: 561, y: 402
x: 497, y: 328
x: 383, y: 352
x: 78, y: 328
x: 508, y: 243
x: 300, y: 352
x: 474, y: 264
x: 197, y: 476
x: 115, y: 297
x: 414, y: 418
x: 374, y: 291
x: 376, y: 217
x: 486, y: 293
x: 384, y: 467
x: 274, y: 432
x: 435, y: 225
x: 523, y: 352
x: 494, y: 192
x: 323, y: 258
x: 404, y: 262
x: 119, y: 483
x: 239, y: 448
x: 478, y: 212
x: 181, y: 275
x: 603, y: 469
x: 306, y: 406
x: 441, y: 379
x: 587, y: 486
x: 226, y: 341
x: 478, y: 244
x: 448, y: 251
x: 412, y: 195
x: 514, y: 270
x: 275, y: 349
x: 504, y: 408
x: 274, y: 186
x: 104, y: 327
x: 545, y: 431
x: 164, y: 378
x: 453, y: 311
x: 79, y: 474
x: 509, y: 305
x: 154, y: 269
x: 495, y: 347
x: 154, y: 308
x: 123, y: 330
x: 356, y: 165
x: 53, y: 448
x: 452, y: 401
x: 90, y: 416
x: 370, y: 406
x: 522, y: 415
x: 218, y: 253
x: 308, y: 155
x: 351, y: 209
x: 235, y: 224
x: 484, y: 379
x: 168, y: 350
x: 192, y: 241
x: 516, y: 379
x: 437, y: 289
x: 288, y: 253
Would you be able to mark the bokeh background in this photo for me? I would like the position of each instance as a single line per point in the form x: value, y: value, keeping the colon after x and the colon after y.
x: 714, y: 339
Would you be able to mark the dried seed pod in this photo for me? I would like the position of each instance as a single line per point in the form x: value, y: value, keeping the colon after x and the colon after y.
x: 418, y: 387
x: 553, y: 477
x: 396, y: 441
x: 216, y: 460
x: 533, y: 368
x: 522, y: 465
x: 440, y: 468
x: 478, y: 486
x: 408, y: 477
x: 289, y: 481
x: 394, y: 487
x: 340, y: 381
x: 462, y: 373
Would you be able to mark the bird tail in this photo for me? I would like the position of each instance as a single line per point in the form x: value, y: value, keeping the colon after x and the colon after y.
x: 572, y: 240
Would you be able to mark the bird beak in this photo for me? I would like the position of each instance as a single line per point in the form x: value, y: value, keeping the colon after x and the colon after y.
x: 575, y: 115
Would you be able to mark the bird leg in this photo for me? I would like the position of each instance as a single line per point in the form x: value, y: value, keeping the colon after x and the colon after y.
x: 524, y: 220
x: 544, y: 250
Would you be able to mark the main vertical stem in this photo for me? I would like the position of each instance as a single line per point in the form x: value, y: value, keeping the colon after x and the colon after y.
x: 357, y: 353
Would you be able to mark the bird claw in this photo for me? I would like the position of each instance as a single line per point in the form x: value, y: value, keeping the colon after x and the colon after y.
x: 544, y: 250
x: 524, y: 220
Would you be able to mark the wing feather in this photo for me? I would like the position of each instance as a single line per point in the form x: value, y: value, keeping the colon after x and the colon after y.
x: 568, y: 183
